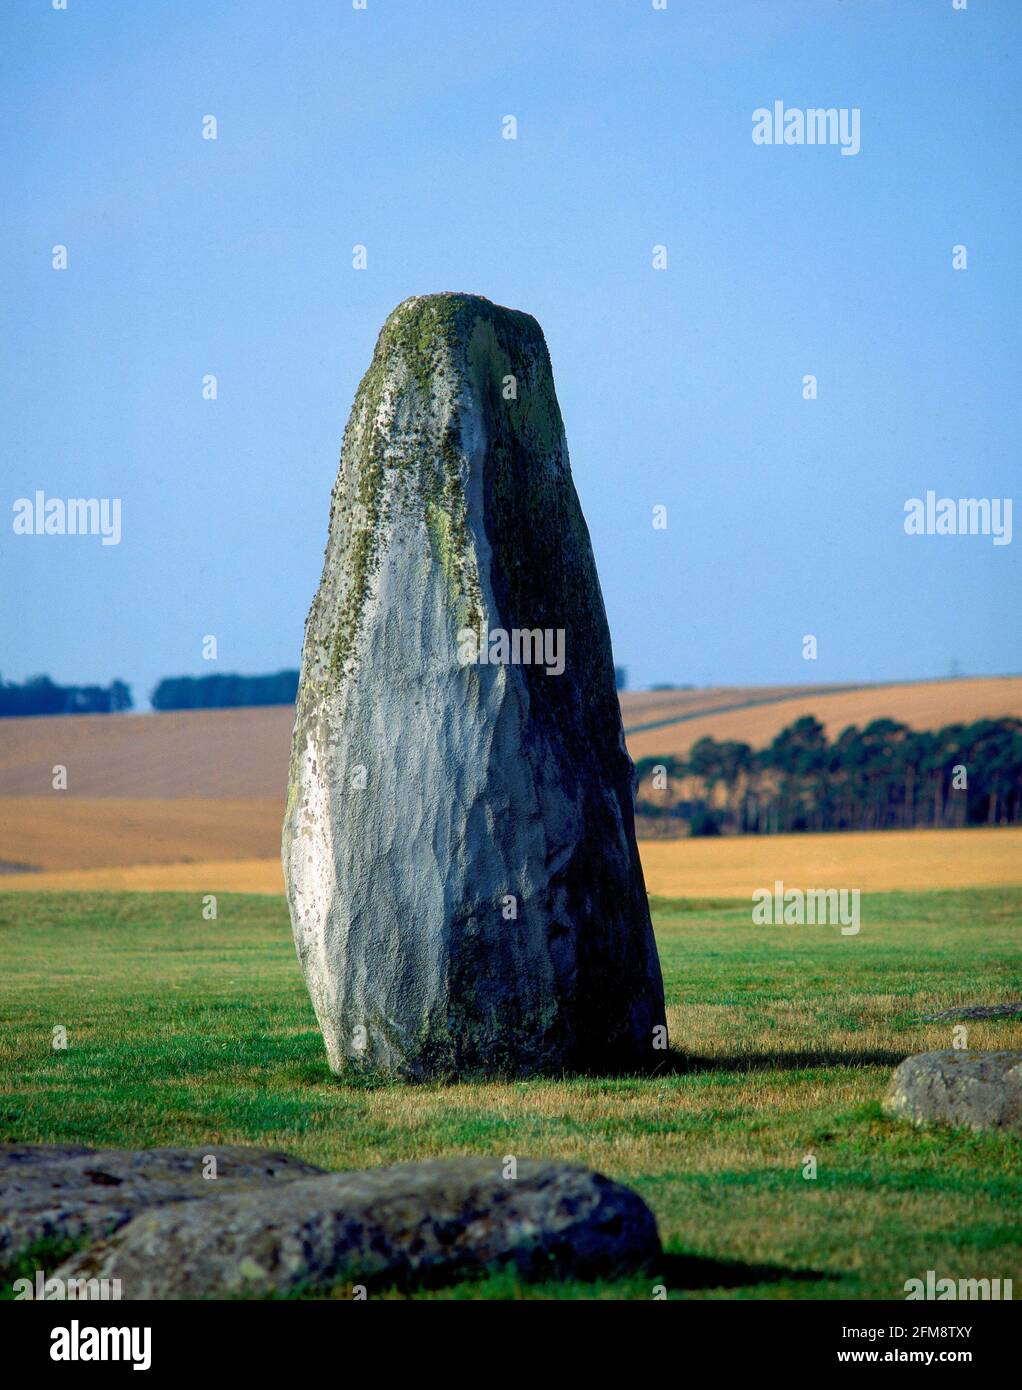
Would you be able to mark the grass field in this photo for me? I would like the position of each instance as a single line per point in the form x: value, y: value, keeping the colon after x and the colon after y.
x: 183, y: 1031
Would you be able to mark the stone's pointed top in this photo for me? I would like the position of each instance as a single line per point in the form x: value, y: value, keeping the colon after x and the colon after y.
x: 452, y: 312
x: 457, y: 298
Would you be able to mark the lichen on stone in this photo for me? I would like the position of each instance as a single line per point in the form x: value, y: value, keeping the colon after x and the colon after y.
x: 454, y: 507
x: 403, y: 454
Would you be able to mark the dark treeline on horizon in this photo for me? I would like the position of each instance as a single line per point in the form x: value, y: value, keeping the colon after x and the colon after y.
x: 883, y: 777
x: 225, y: 692
x: 40, y: 695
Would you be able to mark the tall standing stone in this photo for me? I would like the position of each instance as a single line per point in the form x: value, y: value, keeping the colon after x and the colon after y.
x: 459, y: 845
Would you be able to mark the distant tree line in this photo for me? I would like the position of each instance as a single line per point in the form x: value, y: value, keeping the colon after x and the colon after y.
x: 40, y: 695
x: 883, y: 777
x: 225, y: 692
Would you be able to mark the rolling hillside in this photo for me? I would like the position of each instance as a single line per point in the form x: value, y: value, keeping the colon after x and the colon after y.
x: 66, y: 832
x: 921, y: 705
x: 238, y: 753
x: 228, y: 752
x: 198, y: 786
x: 186, y: 753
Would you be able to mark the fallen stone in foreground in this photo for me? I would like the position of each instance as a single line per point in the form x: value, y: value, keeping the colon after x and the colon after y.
x: 430, y: 1221
x: 982, y: 1090
x: 62, y: 1192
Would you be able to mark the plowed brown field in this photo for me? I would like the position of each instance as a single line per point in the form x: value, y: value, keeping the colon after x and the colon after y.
x: 208, y: 786
x: 922, y: 705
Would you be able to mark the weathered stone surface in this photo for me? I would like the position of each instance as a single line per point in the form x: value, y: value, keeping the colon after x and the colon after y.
x: 426, y: 793
x: 437, y: 1221
x: 59, y: 1192
x: 977, y: 1011
x: 982, y: 1090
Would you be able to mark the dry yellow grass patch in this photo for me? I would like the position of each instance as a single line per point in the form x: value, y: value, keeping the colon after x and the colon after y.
x: 648, y: 1127
x: 731, y: 867
x: 215, y: 876
x: 878, y: 861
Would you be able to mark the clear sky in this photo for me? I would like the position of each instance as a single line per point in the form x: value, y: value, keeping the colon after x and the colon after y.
x: 679, y: 387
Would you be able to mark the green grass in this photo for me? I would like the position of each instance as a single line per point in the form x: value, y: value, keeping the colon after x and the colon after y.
x: 182, y: 1031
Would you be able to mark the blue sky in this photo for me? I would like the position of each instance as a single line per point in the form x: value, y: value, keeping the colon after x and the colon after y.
x: 680, y: 387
